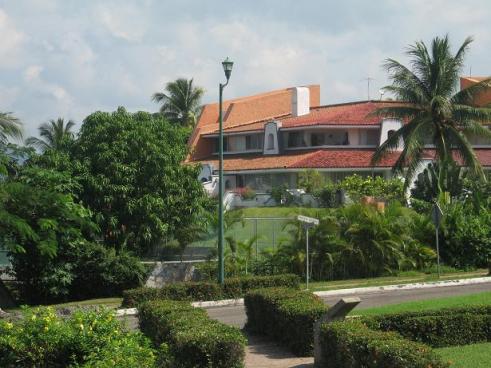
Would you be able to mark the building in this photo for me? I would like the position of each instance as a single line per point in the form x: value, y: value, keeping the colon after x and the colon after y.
x: 271, y: 137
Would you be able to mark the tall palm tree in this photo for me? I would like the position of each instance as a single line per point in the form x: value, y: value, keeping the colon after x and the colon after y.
x: 181, y: 102
x: 433, y: 108
x: 55, y: 134
x: 10, y: 126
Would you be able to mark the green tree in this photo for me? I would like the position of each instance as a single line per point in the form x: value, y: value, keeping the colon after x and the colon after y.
x: 433, y: 181
x: 181, y: 101
x: 10, y: 127
x: 55, y: 134
x: 433, y: 109
x: 134, y: 179
x: 310, y: 180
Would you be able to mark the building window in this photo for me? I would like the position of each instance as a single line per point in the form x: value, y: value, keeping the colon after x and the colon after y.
x: 254, y: 142
x: 295, y: 139
x: 270, y: 141
x: 317, y: 139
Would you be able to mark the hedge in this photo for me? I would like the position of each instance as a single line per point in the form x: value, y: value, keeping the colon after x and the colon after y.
x: 190, y: 338
x: 402, y: 339
x: 438, y: 328
x: 351, y: 344
x: 199, y: 291
x: 286, y: 315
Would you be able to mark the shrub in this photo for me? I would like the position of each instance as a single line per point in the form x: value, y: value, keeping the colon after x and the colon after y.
x: 199, y: 291
x: 439, y: 328
x: 310, y: 180
x: 86, y: 339
x: 287, y: 315
x: 388, y: 189
x: 351, y: 344
x: 190, y: 338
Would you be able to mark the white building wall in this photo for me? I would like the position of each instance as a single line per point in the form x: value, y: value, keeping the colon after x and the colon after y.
x: 386, y: 126
x: 300, y: 101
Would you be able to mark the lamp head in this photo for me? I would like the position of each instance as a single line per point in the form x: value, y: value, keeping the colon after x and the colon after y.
x: 227, y: 67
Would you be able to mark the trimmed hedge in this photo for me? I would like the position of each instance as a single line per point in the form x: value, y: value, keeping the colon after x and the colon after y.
x: 286, y: 315
x: 199, y: 291
x: 192, y: 339
x: 438, y: 328
x: 351, y: 344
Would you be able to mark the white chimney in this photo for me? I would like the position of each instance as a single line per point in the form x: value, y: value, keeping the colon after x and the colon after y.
x: 300, y: 101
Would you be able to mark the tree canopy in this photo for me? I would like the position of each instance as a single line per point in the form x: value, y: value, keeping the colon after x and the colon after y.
x: 55, y: 134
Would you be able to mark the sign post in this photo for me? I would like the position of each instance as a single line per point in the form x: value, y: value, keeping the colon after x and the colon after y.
x: 436, y: 217
x: 307, y: 222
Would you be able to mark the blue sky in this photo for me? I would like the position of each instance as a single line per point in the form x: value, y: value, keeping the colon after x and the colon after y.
x: 70, y: 57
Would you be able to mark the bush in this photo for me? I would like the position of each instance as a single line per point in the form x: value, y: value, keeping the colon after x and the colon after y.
x: 190, y: 338
x: 287, y: 315
x: 199, y: 291
x: 387, y: 189
x: 101, y: 272
x: 351, y: 344
x: 86, y: 339
x: 439, y: 328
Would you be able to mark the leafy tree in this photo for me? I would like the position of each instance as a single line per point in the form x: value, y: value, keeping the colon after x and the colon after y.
x: 10, y: 127
x: 55, y: 134
x: 181, y: 101
x: 133, y: 178
x: 433, y: 109
x: 310, y: 180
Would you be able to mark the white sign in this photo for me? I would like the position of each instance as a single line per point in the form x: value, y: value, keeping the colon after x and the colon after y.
x: 308, y: 220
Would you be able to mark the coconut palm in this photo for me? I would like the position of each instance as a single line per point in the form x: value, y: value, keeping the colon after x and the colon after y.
x: 10, y: 126
x: 55, y: 134
x: 432, y: 108
x: 181, y: 101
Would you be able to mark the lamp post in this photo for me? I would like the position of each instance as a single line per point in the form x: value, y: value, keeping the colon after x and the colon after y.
x: 227, y: 68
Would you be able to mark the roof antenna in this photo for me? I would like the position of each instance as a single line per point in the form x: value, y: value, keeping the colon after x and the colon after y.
x: 368, y: 79
x: 381, y: 91
x: 470, y: 71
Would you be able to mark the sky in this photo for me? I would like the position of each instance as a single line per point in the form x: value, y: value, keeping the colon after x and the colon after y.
x: 69, y: 58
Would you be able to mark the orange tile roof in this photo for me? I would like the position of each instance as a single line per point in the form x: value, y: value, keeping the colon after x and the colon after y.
x: 322, y: 159
x: 241, y: 112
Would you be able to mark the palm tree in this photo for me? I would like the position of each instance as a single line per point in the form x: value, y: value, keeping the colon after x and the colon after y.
x: 432, y: 108
x: 10, y: 126
x: 55, y: 134
x: 181, y: 102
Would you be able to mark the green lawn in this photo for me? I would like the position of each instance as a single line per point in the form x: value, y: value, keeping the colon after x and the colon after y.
x: 467, y: 356
x: 270, y: 230
x: 403, y: 278
x: 415, y: 306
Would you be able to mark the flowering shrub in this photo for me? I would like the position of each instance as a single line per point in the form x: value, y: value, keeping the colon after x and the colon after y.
x: 86, y: 339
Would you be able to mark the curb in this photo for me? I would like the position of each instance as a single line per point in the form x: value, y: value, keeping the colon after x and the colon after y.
x: 371, y: 289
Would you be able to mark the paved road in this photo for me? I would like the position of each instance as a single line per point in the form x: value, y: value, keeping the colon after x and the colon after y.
x: 235, y: 316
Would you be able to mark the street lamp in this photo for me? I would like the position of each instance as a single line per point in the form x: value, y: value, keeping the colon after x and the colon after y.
x: 227, y: 68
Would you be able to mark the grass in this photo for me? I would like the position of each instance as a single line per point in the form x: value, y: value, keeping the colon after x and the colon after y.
x: 468, y: 356
x: 270, y: 232
x: 438, y: 303
x: 402, y: 278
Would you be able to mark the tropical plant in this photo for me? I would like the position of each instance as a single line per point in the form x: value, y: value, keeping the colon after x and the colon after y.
x: 435, y: 180
x: 433, y: 109
x: 310, y: 180
x: 181, y: 101
x: 55, y: 134
x: 10, y: 127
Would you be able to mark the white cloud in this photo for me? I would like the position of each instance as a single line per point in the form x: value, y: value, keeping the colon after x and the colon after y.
x: 122, y: 20
x: 32, y: 72
x: 11, y: 42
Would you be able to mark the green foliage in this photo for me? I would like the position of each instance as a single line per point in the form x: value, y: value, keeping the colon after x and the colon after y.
x: 351, y: 344
x: 438, y: 328
x: 287, y: 315
x: 436, y: 179
x: 310, y: 180
x: 133, y: 179
x: 199, y: 291
x: 357, y: 186
x: 328, y: 195
x: 282, y: 196
x: 55, y: 134
x: 466, y: 236
x: 359, y: 241
x: 10, y: 127
x: 85, y: 339
x: 190, y: 338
